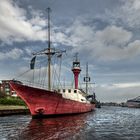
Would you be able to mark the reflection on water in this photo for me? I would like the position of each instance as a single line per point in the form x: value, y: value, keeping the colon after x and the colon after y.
x: 35, y: 129
x: 54, y: 128
x: 107, y: 123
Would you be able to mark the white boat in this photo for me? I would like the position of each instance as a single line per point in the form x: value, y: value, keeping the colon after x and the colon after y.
x: 134, y: 102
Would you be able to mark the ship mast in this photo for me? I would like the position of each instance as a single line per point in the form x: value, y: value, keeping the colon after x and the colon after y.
x: 49, y: 51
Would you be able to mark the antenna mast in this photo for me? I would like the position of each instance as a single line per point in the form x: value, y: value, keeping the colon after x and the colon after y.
x: 87, y: 78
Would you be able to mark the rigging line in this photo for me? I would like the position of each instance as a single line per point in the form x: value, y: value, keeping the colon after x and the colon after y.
x: 59, y: 83
x: 39, y: 74
x: 72, y: 83
x: 33, y: 75
x: 40, y: 80
x: 22, y: 74
x: 42, y: 61
x: 56, y: 73
x: 59, y: 76
x: 44, y: 77
x: 79, y: 82
x: 60, y: 68
x: 53, y: 73
x: 80, y: 77
x: 64, y: 82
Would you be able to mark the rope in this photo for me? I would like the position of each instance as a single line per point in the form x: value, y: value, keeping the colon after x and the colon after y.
x: 22, y: 74
x: 56, y: 75
x: 60, y: 69
x: 53, y: 73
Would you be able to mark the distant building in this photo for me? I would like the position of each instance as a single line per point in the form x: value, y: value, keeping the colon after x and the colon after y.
x: 6, y: 89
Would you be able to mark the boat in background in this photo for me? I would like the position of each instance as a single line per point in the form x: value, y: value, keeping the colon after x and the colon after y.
x: 48, y: 102
x: 135, y: 103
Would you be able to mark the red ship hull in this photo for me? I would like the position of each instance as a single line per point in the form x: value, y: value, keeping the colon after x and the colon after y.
x: 45, y: 103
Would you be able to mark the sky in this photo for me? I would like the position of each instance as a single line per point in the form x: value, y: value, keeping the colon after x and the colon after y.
x: 105, y: 33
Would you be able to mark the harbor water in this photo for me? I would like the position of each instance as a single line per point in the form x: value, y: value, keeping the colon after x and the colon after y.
x: 107, y: 123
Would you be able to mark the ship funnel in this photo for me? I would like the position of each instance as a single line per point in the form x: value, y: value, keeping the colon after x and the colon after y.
x: 76, y: 70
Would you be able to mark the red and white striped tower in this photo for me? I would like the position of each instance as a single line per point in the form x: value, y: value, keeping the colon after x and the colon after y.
x: 76, y: 71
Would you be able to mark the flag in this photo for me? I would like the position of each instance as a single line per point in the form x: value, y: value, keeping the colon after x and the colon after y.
x: 32, y: 63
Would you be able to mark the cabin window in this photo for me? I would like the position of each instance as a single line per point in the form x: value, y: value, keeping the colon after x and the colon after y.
x: 64, y: 90
x: 69, y: 90
x: 75, y: 91
x: 58, y: 90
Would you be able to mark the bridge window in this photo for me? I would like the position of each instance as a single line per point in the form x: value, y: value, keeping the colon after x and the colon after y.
x: 64, y: 90
x: 69, y: 90
x: 75, y: 91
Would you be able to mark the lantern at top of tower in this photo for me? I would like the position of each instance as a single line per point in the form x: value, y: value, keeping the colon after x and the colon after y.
x: 76, y: 63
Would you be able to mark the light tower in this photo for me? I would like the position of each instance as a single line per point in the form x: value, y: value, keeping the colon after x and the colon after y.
x: 76, y: 70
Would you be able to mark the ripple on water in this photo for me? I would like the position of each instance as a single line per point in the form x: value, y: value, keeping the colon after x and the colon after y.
x: 107, y: 123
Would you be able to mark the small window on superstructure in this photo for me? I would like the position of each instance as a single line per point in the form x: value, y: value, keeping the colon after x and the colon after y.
x: 69, y: 90
x: 58, y: 90
x: 75, y: 91
x: 64, y: 90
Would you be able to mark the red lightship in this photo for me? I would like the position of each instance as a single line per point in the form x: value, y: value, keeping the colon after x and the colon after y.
x: 50, y: 102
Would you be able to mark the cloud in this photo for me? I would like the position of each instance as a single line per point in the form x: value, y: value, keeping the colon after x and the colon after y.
x: 80, y: 34
x: 16, y: 27
x: 119, y: 92
x: 13, y: 54
x: 74, y: 35
x: 37, y: 17
x: 113, y: 35
x: 28, y: 51
x: 109, y: 44
x: 127, y: 14
x: 112, y: 43
x: 125, y: 85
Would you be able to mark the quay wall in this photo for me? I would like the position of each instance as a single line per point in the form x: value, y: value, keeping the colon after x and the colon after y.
x: 14, y: 112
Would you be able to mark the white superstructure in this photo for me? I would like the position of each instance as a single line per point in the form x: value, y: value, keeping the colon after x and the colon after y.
x: 74, y: 94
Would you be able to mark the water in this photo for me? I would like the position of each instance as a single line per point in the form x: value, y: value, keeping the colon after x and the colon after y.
x: 107, y: 123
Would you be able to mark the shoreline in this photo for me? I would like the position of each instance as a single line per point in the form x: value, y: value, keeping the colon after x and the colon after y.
x: 6, y: 110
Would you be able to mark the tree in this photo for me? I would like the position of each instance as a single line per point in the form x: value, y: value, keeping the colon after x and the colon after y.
x: 2, y: 94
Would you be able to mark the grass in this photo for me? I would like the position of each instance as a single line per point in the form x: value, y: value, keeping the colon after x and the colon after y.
x: 11, y: 103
